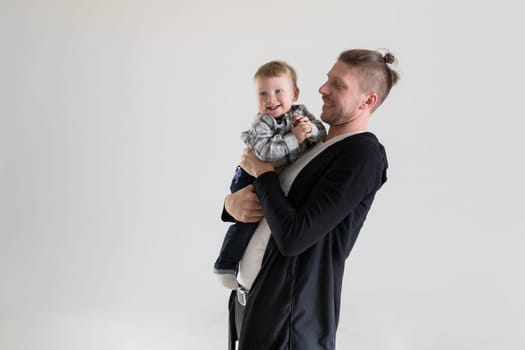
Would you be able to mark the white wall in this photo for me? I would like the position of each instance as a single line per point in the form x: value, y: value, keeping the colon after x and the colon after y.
x: 119, y: 134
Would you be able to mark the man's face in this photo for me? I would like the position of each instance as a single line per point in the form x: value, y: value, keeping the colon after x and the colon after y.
x: 341, y: 95
x: 275, y: 95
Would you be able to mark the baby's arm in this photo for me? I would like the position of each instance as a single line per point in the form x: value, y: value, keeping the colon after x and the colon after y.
x: 267, y: 143
x: 302, y: 128
x: 318, y: 132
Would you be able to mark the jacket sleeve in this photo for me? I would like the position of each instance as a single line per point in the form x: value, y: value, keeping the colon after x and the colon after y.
x: 225, y: 216
x: 267, y: 143
x: 344, y: 184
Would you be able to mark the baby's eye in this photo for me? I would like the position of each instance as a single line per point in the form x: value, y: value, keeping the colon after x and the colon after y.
x: 278, y: 91
x: 263, y: 93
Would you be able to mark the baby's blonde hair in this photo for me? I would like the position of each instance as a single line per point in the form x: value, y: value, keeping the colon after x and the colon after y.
x: 275, y: 69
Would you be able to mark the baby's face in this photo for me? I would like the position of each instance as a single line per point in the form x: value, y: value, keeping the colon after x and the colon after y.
x: 275, y: 95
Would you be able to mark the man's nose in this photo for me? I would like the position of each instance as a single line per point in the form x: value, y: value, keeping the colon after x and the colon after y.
x: 323, y: 89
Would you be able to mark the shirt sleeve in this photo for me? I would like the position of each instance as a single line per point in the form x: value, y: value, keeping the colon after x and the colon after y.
x: 270, y: 143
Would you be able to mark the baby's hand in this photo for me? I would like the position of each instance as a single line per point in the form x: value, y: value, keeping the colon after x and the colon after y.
x: 302, y: 128
x: 298, y: 118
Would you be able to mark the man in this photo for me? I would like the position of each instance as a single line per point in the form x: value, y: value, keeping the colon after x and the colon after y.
x: 291, y: 273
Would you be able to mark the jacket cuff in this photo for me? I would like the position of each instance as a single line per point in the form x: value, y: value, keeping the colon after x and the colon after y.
x: 226, y: 217
x: 262, y: 181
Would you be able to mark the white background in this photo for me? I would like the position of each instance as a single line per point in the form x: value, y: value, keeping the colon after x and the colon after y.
x: 119, y: 134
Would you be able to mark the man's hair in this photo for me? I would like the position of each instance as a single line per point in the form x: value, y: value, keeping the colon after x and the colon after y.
x: 373, y: 71
x: 275, y: 69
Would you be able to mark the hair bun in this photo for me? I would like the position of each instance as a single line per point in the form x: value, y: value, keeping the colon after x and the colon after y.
x: 389, y: 58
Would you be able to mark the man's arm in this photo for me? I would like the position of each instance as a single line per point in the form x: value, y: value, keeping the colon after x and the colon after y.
x: 346, y: 182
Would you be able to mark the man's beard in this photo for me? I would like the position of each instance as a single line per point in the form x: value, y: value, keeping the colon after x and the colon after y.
x: 336, y: 118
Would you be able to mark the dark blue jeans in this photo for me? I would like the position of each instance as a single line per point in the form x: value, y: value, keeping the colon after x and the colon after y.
x: 238, y: 234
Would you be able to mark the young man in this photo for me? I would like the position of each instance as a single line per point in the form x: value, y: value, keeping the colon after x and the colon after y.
x: 311, y: 220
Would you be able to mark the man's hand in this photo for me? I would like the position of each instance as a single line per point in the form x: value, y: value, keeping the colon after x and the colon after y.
x: 244, y: 205
x: 253, y: 165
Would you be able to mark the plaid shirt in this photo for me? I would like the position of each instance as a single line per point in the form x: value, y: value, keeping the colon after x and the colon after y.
x: 272, y: 139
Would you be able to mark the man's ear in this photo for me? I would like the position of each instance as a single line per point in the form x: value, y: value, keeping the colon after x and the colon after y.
x: 370, y: 101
